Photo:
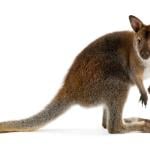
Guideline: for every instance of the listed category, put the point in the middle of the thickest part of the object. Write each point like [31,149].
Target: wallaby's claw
[149,89]
[144,99]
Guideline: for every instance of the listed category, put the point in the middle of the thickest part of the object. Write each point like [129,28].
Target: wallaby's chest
[146,74]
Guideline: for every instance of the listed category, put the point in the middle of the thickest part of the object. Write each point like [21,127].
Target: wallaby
[102,74]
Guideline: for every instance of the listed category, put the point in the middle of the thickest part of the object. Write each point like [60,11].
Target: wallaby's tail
[50,112]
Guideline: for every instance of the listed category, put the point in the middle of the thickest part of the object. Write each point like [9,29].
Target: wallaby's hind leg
[104,121]
[126,120]
[115,104]
[116,125]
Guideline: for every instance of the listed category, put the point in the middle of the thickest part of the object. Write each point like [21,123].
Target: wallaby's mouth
[145,54]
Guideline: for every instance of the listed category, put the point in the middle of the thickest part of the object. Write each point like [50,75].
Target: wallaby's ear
[135,23]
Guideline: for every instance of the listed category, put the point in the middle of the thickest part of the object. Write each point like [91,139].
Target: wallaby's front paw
[144,99]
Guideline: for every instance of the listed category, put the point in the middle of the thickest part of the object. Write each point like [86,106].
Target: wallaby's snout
[145,54]
[142,37]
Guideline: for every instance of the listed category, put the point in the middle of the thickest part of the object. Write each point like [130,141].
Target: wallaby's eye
[139,40]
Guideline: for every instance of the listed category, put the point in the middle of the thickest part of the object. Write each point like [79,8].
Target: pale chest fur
[146,74]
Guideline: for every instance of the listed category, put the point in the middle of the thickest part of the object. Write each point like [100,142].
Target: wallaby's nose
[145,54]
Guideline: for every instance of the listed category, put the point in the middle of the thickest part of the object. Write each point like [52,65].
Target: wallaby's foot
[139,124]
[144,99]
[142,125]
[133,120]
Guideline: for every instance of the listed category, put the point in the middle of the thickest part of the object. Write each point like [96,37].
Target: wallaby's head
[142,37]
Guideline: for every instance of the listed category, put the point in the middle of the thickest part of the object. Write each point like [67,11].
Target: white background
[39,40]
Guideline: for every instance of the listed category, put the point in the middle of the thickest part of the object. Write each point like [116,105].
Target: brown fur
[101,74]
